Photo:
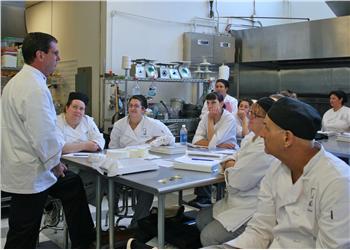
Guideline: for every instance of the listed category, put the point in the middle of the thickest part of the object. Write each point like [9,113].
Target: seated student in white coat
[231,103]
[217,127]
[242,118]
[80,133]
[243,171]
[337,119]
[137,129]
[304,199]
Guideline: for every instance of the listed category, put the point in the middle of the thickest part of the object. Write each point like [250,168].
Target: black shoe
[200,202]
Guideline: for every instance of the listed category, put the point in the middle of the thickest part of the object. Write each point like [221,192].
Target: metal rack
[110,100]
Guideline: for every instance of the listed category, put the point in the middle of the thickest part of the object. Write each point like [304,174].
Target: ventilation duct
[339,8]
[13,22]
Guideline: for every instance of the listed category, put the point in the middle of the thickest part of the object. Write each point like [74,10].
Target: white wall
[133,31]
[76,25]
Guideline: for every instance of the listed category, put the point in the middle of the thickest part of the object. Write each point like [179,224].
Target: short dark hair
[340,94]
[225,82]
[33,42]
[214,96]
[141,98]
[245,100]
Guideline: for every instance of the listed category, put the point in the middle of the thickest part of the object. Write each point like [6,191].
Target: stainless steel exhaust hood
[322,40]
[13,21]
[339,8]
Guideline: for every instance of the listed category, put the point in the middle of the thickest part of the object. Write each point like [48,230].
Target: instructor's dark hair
[33,42]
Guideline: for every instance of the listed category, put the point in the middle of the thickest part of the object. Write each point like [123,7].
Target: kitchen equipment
[138,69]
[190,111]
[163,71]
[224,72]
[174,73]
[183,69]
[176,105]
[150,69]
[166,115]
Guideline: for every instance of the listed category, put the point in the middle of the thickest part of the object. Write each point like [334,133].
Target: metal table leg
[180,201]
[98,211]
[161,228]
[111,212]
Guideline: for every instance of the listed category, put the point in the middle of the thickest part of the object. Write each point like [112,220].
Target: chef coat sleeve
[201,131]
[225,133]
[40,125]
[249,169]
[115,136]
[334,219]
[94,133]
[258,233]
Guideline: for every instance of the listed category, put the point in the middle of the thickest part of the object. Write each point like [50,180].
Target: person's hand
[214,112]
[91,146]
[241,114]
[226,145]
[59,170]
[228,164]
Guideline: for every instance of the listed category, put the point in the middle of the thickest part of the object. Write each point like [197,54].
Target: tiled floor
[53,239]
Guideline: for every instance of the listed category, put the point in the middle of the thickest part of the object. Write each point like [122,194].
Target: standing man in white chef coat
[31,148]
[304,200]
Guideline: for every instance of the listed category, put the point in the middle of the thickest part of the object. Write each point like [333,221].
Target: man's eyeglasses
[134,106]
[255,115]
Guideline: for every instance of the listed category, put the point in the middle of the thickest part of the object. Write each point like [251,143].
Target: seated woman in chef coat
[221,87]
[243,171]
[242,117]
[217,127]
[80,133]
[137,129]
[337,119]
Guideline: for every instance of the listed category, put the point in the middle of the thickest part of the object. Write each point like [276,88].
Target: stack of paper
[197,163]
[126,166]
[170,150]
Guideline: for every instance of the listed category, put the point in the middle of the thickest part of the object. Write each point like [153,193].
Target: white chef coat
[239,128]
[31,144]
[123,135]
[224,130]
[311,213]
[336,121]
[85,131]
[242,183]
[228,99]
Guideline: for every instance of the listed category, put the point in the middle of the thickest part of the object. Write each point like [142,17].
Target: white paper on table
[163,163]
[151,157]
[195,146]
[225,151]
[78,155]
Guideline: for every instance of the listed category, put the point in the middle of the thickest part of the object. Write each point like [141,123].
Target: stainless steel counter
[338,148]
[160,182]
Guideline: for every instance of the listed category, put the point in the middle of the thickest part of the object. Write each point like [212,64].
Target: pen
[201,159]
[80,154]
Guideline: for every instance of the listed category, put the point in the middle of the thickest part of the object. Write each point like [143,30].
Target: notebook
[177,148]
[197,163]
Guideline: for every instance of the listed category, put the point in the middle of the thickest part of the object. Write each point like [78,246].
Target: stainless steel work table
[338,148]
[160,182]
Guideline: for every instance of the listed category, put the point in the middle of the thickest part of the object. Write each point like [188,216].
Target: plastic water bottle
[183,135]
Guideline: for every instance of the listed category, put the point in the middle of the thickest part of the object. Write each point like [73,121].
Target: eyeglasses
[255,115]
[136,106]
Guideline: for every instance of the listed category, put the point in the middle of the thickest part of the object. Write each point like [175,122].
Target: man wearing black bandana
[304,200]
